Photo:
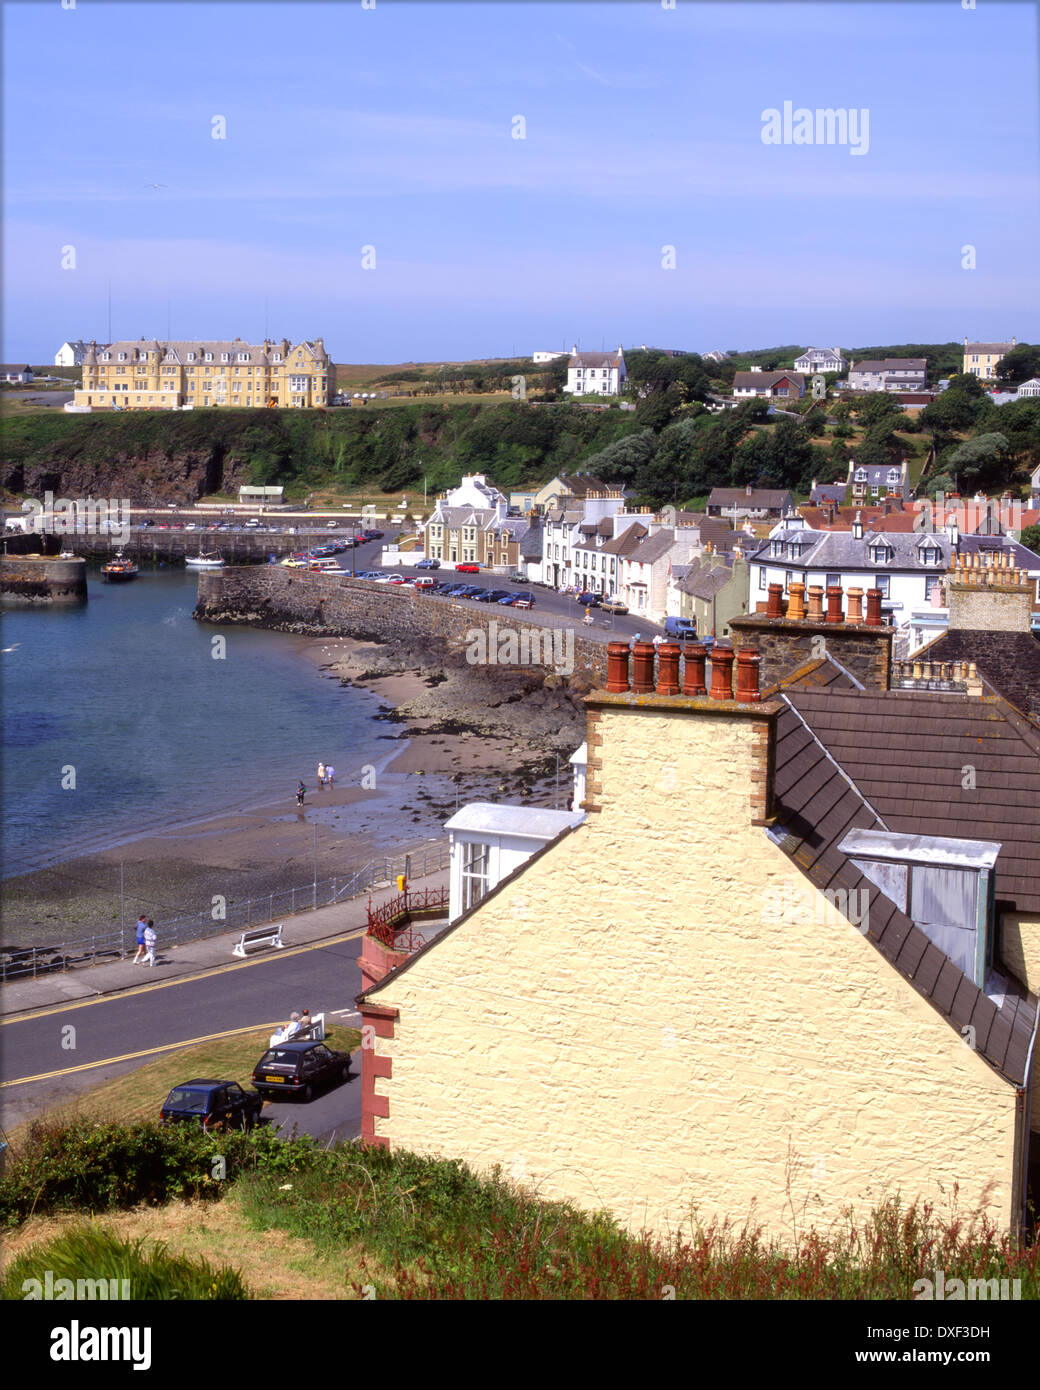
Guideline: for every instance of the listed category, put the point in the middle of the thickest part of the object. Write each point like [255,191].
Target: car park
[299,1069]
[494,595]
[427,563]
[212,1104]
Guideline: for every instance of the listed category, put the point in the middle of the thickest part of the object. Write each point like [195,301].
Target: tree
[967,383]
[977,461]
[1020,364]
[878,408]
[1030,538]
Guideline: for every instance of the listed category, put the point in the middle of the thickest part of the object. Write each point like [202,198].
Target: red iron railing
[391,923]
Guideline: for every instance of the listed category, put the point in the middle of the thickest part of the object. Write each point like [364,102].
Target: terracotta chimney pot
[774,608]
[694,656]
[874,618]
[642,668]
[617,668]
[834,594]
[796,603]
[748,662]
[722,673]
[668,669]
[855,615]
[815,614]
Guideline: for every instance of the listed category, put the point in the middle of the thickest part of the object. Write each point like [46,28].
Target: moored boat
[204,562]
[119,569]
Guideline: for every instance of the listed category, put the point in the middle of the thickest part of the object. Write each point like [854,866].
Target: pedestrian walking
[330,774]
[301,791]
[142,923]
[149,943]
[321,775]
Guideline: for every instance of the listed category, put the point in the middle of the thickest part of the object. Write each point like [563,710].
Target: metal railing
[33,961]
[391,923]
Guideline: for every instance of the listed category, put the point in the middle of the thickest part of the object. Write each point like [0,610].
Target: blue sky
[392,128]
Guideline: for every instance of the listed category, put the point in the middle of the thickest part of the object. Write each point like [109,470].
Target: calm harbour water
[125,691]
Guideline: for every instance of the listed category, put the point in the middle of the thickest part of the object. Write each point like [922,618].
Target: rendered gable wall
[619,1026]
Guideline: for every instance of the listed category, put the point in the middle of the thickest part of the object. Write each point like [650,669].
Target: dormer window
[105,356]
[930,554]
[225,357]
[209,357]
[243,356]
[122,357]
[893,476]
[860,475]
[191,357]
[881,554]
[944,885]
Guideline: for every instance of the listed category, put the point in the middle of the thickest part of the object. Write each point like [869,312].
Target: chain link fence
[32,961]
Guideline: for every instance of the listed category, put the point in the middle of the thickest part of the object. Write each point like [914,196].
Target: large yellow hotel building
[148,375]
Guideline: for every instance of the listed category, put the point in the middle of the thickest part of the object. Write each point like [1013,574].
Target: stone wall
[785,644]
[39,579]
[297,600]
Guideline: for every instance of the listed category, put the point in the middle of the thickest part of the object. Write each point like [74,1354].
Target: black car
[298,1069]
[590,600]
[212,1104]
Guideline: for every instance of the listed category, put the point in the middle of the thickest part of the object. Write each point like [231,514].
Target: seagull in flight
[11,649]
[156,185]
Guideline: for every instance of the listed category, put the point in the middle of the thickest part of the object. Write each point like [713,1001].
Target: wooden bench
[259,936]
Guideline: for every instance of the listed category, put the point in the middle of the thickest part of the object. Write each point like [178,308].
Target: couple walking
[326,774]
[145,941]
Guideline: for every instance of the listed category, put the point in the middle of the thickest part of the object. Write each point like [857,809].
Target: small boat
[119,569]
[204,562]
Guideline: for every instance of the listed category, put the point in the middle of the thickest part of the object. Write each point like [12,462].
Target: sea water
[122,717]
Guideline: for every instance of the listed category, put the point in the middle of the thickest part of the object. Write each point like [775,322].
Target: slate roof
[830,779]
[761,497]
[581,484]
[766,379]
[705,581]
[595,359]
[828,492]
[892,364]
[840,550]
[1009,661]
[716,531]
[531,542]
[1021,557]
[626,542]
[988,347]
[653,548]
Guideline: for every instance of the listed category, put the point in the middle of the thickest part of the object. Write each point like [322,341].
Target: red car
[467,569]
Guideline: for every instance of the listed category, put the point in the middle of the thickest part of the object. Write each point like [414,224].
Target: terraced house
[149,375]
[791,962]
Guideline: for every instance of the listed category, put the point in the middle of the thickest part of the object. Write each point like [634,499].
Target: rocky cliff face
[148,479]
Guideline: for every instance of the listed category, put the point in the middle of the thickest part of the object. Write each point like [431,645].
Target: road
[123,1031]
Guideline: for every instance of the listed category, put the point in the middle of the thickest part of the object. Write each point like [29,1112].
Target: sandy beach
[464,734]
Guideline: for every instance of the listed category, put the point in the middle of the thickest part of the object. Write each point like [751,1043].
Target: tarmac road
[44,1064]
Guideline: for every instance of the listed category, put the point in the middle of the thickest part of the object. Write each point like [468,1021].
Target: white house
[71,354]
[820,360]
[906,566]
[889,374]
[776,385]
[488,841]
[598,373]
[537,357]
[16,374]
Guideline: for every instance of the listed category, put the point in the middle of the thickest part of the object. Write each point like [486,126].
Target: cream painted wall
[622,1028]
[1020,947]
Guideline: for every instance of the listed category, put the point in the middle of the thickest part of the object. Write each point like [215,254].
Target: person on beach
[321,775]
[330,775]
[149,943]
[301,791]
[142,923]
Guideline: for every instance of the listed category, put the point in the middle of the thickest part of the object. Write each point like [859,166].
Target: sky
[420,181]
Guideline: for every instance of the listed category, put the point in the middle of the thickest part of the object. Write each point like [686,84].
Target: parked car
[589,599]
[680,627]
[613,606]
[424,584]
[457,590]
[212,1104]
[426,563]
[332,525]
[524,600]
[147,522]
[467,569]
[298,1069]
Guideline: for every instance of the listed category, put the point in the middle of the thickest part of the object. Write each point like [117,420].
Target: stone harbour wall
[322,605]
[40,579]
